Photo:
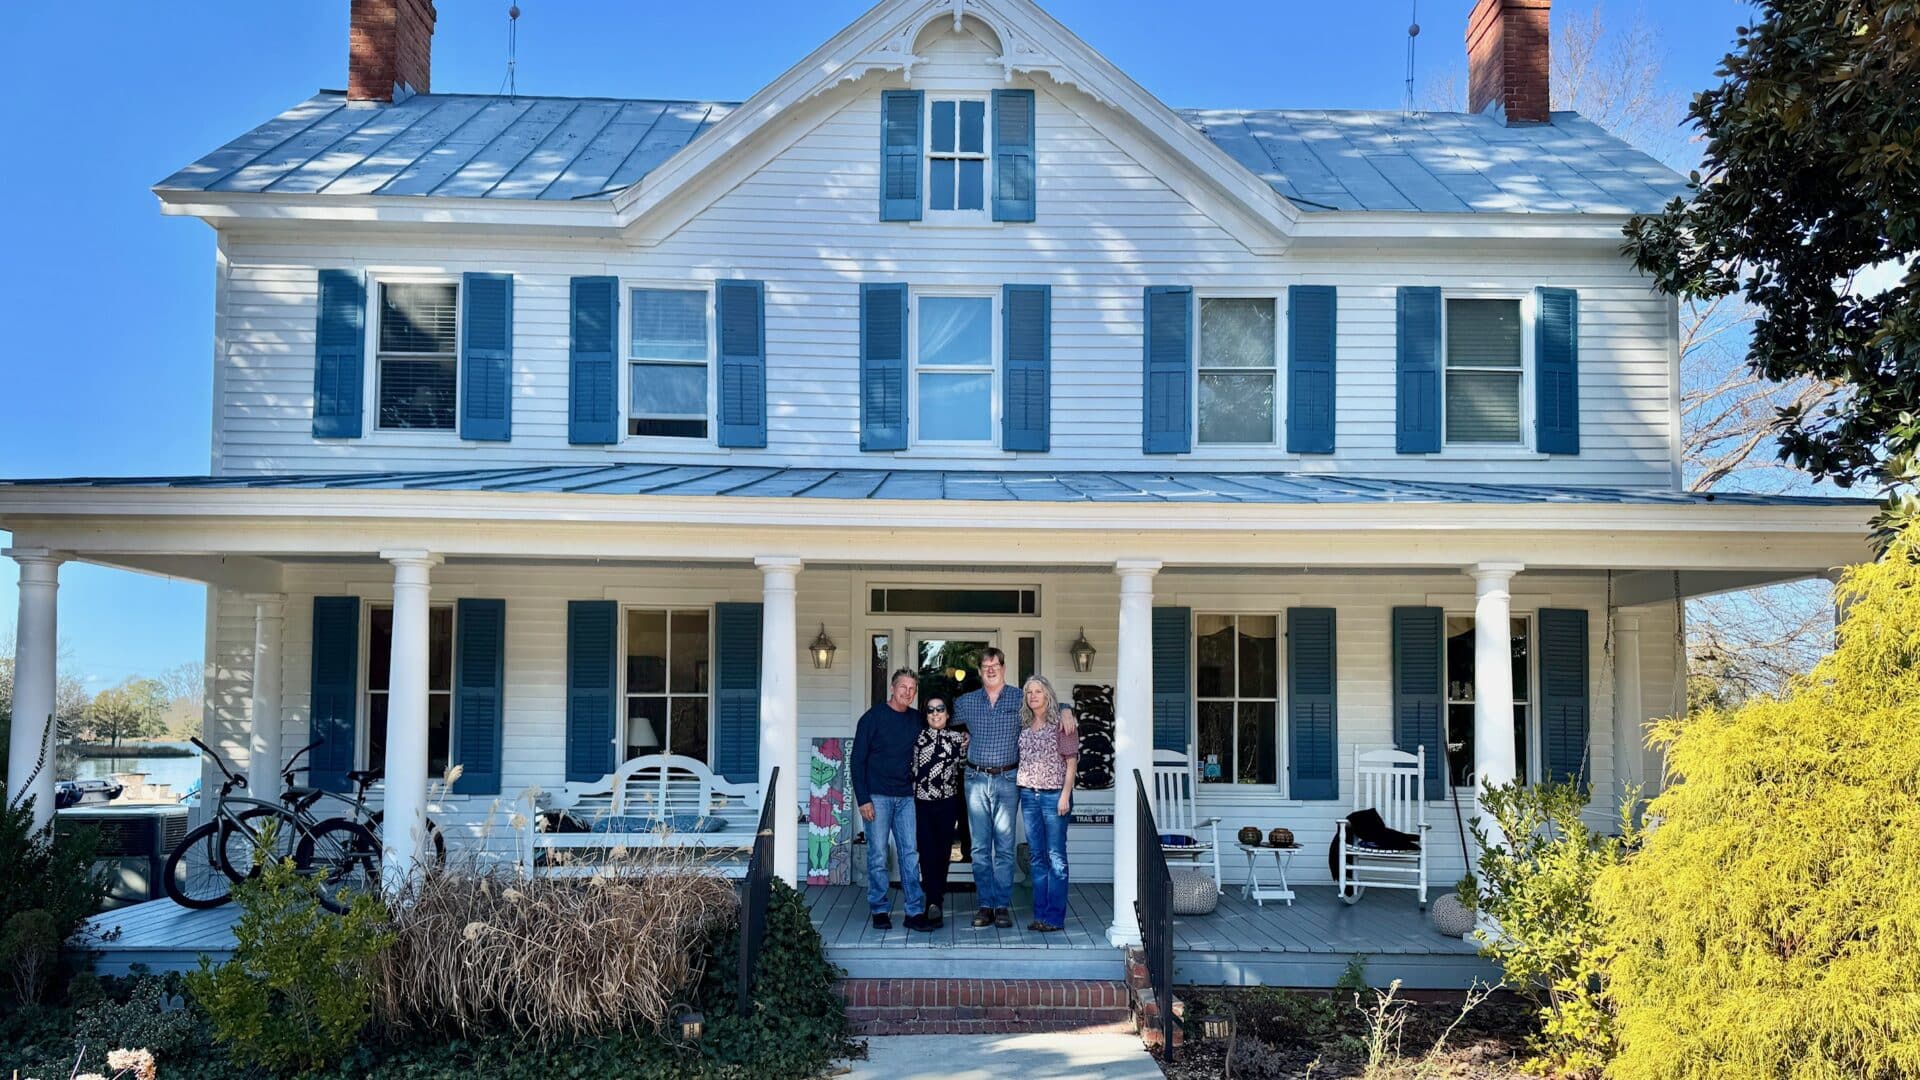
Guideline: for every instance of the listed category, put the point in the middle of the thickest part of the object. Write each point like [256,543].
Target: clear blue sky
[106,98]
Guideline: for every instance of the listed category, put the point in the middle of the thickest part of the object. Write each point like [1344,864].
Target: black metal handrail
[1153,908]
[759,892]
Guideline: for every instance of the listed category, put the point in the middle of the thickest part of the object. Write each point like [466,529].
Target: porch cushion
[682,823]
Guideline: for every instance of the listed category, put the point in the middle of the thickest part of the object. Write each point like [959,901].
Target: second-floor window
[1237,372]
[418,355]
[667,366]
[1484,373]
[953,369]
[379,668]
[956,157]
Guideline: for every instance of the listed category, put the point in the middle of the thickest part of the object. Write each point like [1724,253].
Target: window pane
[376,730]
[1259,656]
[440,648]
[1257,760]
[954,601]
[1215,738]
[1459,658]
[670,389]
[1483,333]
[1236,408]
[1520,741]
[379,648]
[956,331]
[973,124]
[1213,655]
[669,324]
[675,429]
[940,184]
[689,655]
[646,726]
[418,318]
[1483,407]
[646,652]
[417,394]
[689,735]
[1459,744]
[1236,333]
[942,140]
[1521,667]
[1025,664]
[879,656]
[973,184]
[956,408]
[439,707]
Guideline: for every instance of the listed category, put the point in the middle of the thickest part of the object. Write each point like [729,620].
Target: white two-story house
[552,432]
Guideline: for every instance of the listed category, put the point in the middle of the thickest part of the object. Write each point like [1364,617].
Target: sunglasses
[937,708]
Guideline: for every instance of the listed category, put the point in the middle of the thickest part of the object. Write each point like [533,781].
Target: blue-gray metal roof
[987,485]
[1440,162]
[481,146]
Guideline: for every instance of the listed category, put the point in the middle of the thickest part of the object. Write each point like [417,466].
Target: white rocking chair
[1175,785]
[1394,783]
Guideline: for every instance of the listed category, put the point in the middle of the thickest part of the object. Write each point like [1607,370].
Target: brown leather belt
[992,770]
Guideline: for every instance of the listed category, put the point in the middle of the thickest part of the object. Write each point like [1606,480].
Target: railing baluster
[1154,911]
[758,893]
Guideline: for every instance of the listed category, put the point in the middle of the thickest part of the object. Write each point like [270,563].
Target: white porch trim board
[35,681]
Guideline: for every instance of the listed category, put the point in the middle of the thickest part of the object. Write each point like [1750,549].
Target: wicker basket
[1193,891]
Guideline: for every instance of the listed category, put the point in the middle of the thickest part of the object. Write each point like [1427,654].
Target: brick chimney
[1507,59]
[390,49]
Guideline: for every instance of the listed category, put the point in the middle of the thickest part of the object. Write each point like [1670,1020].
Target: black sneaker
[882,921]
[935,915]
[920,923]
[1003,918]
[983,918]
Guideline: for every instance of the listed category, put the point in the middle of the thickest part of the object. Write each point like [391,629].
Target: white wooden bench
[662,788]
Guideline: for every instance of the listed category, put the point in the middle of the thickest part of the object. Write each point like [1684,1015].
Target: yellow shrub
[1770,926]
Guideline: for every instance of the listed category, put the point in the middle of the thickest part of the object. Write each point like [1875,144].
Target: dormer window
[954,158]
[957,160]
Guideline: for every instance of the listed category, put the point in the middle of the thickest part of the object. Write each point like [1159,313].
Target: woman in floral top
[938,755]
[1049,760]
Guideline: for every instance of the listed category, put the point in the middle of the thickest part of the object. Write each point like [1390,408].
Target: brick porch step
[985,1006]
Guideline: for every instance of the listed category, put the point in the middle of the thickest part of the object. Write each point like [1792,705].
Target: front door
[948,663]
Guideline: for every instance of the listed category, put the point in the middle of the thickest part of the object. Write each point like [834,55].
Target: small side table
[1259,891]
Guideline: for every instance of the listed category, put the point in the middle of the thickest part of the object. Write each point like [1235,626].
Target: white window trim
[713,672]
[984,215]
[1280,316]
[1530,767]
[995,335]
[363,724]
[1524,448]
[371,429]
[625,379]
[1281,734]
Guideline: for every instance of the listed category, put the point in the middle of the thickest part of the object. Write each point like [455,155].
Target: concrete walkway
[998,1057]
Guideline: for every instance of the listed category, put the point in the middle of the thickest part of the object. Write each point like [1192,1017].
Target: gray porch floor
[1307,944]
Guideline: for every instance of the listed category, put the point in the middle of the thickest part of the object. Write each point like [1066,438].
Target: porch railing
[1154,911]
[758,892]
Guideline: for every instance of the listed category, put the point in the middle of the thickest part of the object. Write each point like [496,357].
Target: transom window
[957,154]
[1460,662]
[418,355]
[379,668]
[1237,693]
[1484,366]
[669,682]
[1237,370]
[667,363]
[954,364]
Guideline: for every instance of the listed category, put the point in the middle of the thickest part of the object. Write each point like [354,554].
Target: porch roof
[953,485]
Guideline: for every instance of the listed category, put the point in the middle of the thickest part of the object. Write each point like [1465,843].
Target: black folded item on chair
[1366,829]
[559,821]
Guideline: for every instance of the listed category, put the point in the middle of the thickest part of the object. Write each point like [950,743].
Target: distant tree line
[139,707]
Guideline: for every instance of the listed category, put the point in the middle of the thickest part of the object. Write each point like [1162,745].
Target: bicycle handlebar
[233,778]
[289,769]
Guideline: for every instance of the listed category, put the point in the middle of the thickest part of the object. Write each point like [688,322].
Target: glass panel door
[949,665]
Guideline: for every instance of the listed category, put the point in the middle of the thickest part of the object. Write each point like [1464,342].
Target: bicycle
[304,797]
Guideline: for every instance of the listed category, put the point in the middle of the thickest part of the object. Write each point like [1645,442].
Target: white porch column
[403,830]
[1132,737]
[780,707]
[1494,758]
[35,676]
[1633,763]
[263,715]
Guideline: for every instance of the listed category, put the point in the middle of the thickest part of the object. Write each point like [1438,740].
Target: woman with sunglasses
[938,755]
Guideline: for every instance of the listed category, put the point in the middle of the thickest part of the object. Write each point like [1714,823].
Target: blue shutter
[1013,143]
[593,635]
[740,312]
[1312,325]
[883,367]
[333,715]
[1564,712]
[1166,420]
[1419,689]
[1556,371]
[339,355]
[1172,640]
[1313,759]
[1417,371]
[736,692]
[1026,384]
[900,148]
[593,414]
[486,357]
[479,694]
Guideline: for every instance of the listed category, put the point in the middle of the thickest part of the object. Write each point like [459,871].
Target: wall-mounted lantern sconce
[822,649]
[1083,651]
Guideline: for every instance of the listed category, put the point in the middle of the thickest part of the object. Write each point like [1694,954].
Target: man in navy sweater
[882,769]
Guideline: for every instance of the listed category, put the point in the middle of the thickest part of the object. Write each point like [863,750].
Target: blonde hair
[1027,718]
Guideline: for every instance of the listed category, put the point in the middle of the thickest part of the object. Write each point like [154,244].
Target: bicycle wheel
[193,875]
[239,854]
[439,838]
[344,858]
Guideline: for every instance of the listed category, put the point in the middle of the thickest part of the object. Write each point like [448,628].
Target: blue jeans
[893,816]
[1047,853]
[991,801]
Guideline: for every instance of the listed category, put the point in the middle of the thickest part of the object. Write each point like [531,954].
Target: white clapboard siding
[807,224]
